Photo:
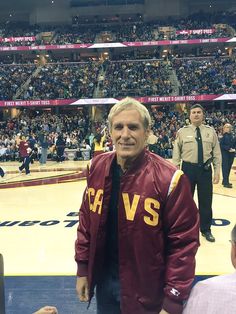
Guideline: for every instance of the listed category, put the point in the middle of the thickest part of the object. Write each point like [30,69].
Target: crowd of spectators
[206,76]
[72,127]
[12,77]
[132,32]
[142,78]
[18,29]
[16,59]
[203,20]
[67,80]
[147,77]
[132,54]
[78,131]
[75,35]
[14,34]
[136,32]
[123,32]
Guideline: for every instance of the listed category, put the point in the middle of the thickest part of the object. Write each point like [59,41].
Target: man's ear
[147,133]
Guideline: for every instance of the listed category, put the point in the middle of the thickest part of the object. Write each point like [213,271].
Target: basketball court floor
[38,221]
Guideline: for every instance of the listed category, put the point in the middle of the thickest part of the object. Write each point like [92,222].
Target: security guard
[197,146]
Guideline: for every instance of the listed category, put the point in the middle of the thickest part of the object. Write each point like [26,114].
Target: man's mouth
[126,145]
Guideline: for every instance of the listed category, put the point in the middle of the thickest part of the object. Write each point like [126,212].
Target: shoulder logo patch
[175,292]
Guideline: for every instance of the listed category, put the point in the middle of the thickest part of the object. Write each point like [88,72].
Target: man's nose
[125,132]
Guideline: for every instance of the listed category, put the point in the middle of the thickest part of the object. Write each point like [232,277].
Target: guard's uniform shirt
[186,147]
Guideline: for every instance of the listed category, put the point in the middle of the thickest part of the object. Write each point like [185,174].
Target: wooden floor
[39,217]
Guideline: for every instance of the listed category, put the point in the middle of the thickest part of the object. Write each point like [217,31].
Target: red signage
[15,39]
[208,31]
[124,44]
[103,101]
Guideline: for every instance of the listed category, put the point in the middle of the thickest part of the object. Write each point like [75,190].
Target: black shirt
[112,250]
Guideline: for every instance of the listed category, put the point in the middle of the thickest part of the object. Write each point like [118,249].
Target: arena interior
[63,64]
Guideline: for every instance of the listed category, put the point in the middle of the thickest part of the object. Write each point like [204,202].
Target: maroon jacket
[23,149]
[158,233]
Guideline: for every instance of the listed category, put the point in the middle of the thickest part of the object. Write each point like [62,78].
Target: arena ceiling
[26,4]
[30,4]
[8,7]
[25,7]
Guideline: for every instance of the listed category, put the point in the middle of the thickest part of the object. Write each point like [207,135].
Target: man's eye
[133,127]
[118,127]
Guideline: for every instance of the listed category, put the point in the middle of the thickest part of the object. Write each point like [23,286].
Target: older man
[216,295]
[138,231]
[197,146]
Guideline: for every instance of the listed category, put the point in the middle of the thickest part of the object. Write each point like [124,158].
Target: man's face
[128,134]
[196,116]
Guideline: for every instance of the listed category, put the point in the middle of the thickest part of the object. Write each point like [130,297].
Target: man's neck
[125,164]
[197,124]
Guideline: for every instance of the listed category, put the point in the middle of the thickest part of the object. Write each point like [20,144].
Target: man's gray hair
[197,106]
[233,234]
[129,103]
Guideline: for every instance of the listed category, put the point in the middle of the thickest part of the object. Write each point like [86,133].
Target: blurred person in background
[44,144]
[60,148]
[85,150]
[216,295]
[228,146]
[24,153]
[98,142]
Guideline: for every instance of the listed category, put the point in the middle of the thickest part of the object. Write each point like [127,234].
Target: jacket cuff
[82,269]
[172,307]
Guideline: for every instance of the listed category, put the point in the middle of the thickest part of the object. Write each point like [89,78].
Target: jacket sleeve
[83,237]
[181,227]
[224,144]
[216,154]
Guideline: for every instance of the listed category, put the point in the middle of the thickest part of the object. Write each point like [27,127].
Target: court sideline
[39,216]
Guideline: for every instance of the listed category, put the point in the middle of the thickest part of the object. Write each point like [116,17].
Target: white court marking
[49,250]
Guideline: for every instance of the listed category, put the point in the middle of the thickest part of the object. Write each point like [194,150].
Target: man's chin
[126,155]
